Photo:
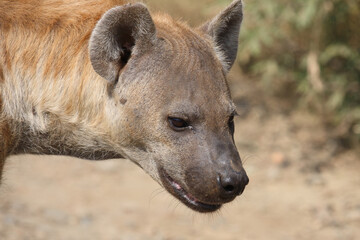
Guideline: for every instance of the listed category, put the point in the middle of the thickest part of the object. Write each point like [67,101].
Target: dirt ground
[301,187]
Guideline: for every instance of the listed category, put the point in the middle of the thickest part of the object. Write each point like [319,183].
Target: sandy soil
[301,187]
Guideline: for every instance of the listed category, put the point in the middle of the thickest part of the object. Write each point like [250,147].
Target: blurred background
[296,84]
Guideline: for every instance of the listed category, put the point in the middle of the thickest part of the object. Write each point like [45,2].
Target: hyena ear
[121,32]
[224,29]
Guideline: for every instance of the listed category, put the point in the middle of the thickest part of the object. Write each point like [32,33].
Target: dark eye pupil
[178,122]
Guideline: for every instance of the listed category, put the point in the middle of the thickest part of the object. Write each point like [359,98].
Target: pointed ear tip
[238,3]
[236,7]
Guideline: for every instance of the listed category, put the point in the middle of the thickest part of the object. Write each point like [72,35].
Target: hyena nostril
[229,188]
[228,184]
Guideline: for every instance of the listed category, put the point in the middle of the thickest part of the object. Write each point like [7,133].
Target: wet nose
[232,183]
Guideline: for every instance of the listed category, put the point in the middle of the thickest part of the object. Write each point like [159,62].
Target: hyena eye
[231,125]
[178,124]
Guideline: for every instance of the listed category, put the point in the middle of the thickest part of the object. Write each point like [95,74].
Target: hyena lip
[177,191]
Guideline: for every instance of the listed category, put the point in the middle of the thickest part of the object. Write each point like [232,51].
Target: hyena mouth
[177,191]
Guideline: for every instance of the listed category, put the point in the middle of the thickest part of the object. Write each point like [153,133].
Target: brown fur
[54,98]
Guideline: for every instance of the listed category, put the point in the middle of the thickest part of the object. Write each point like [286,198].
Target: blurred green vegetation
[307,51]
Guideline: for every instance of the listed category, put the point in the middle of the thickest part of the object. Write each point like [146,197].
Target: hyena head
[171,110]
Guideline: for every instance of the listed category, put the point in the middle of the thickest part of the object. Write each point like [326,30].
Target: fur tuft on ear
[118,34]
[224,29]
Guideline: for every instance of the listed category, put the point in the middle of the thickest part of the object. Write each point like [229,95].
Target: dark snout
[231,176]
[216,183]
[221,179]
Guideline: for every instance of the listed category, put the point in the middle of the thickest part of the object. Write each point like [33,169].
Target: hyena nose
[232,183]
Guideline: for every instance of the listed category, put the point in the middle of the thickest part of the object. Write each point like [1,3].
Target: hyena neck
[61,142]
[58,137]
[74,122]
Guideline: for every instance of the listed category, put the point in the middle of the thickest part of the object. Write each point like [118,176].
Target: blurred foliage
[309,49]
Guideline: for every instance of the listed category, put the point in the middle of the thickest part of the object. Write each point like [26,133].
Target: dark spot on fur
[110,89]
[46,114]
[140,145]
[123,101]
[34,111]
[2,78]
[57,24]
